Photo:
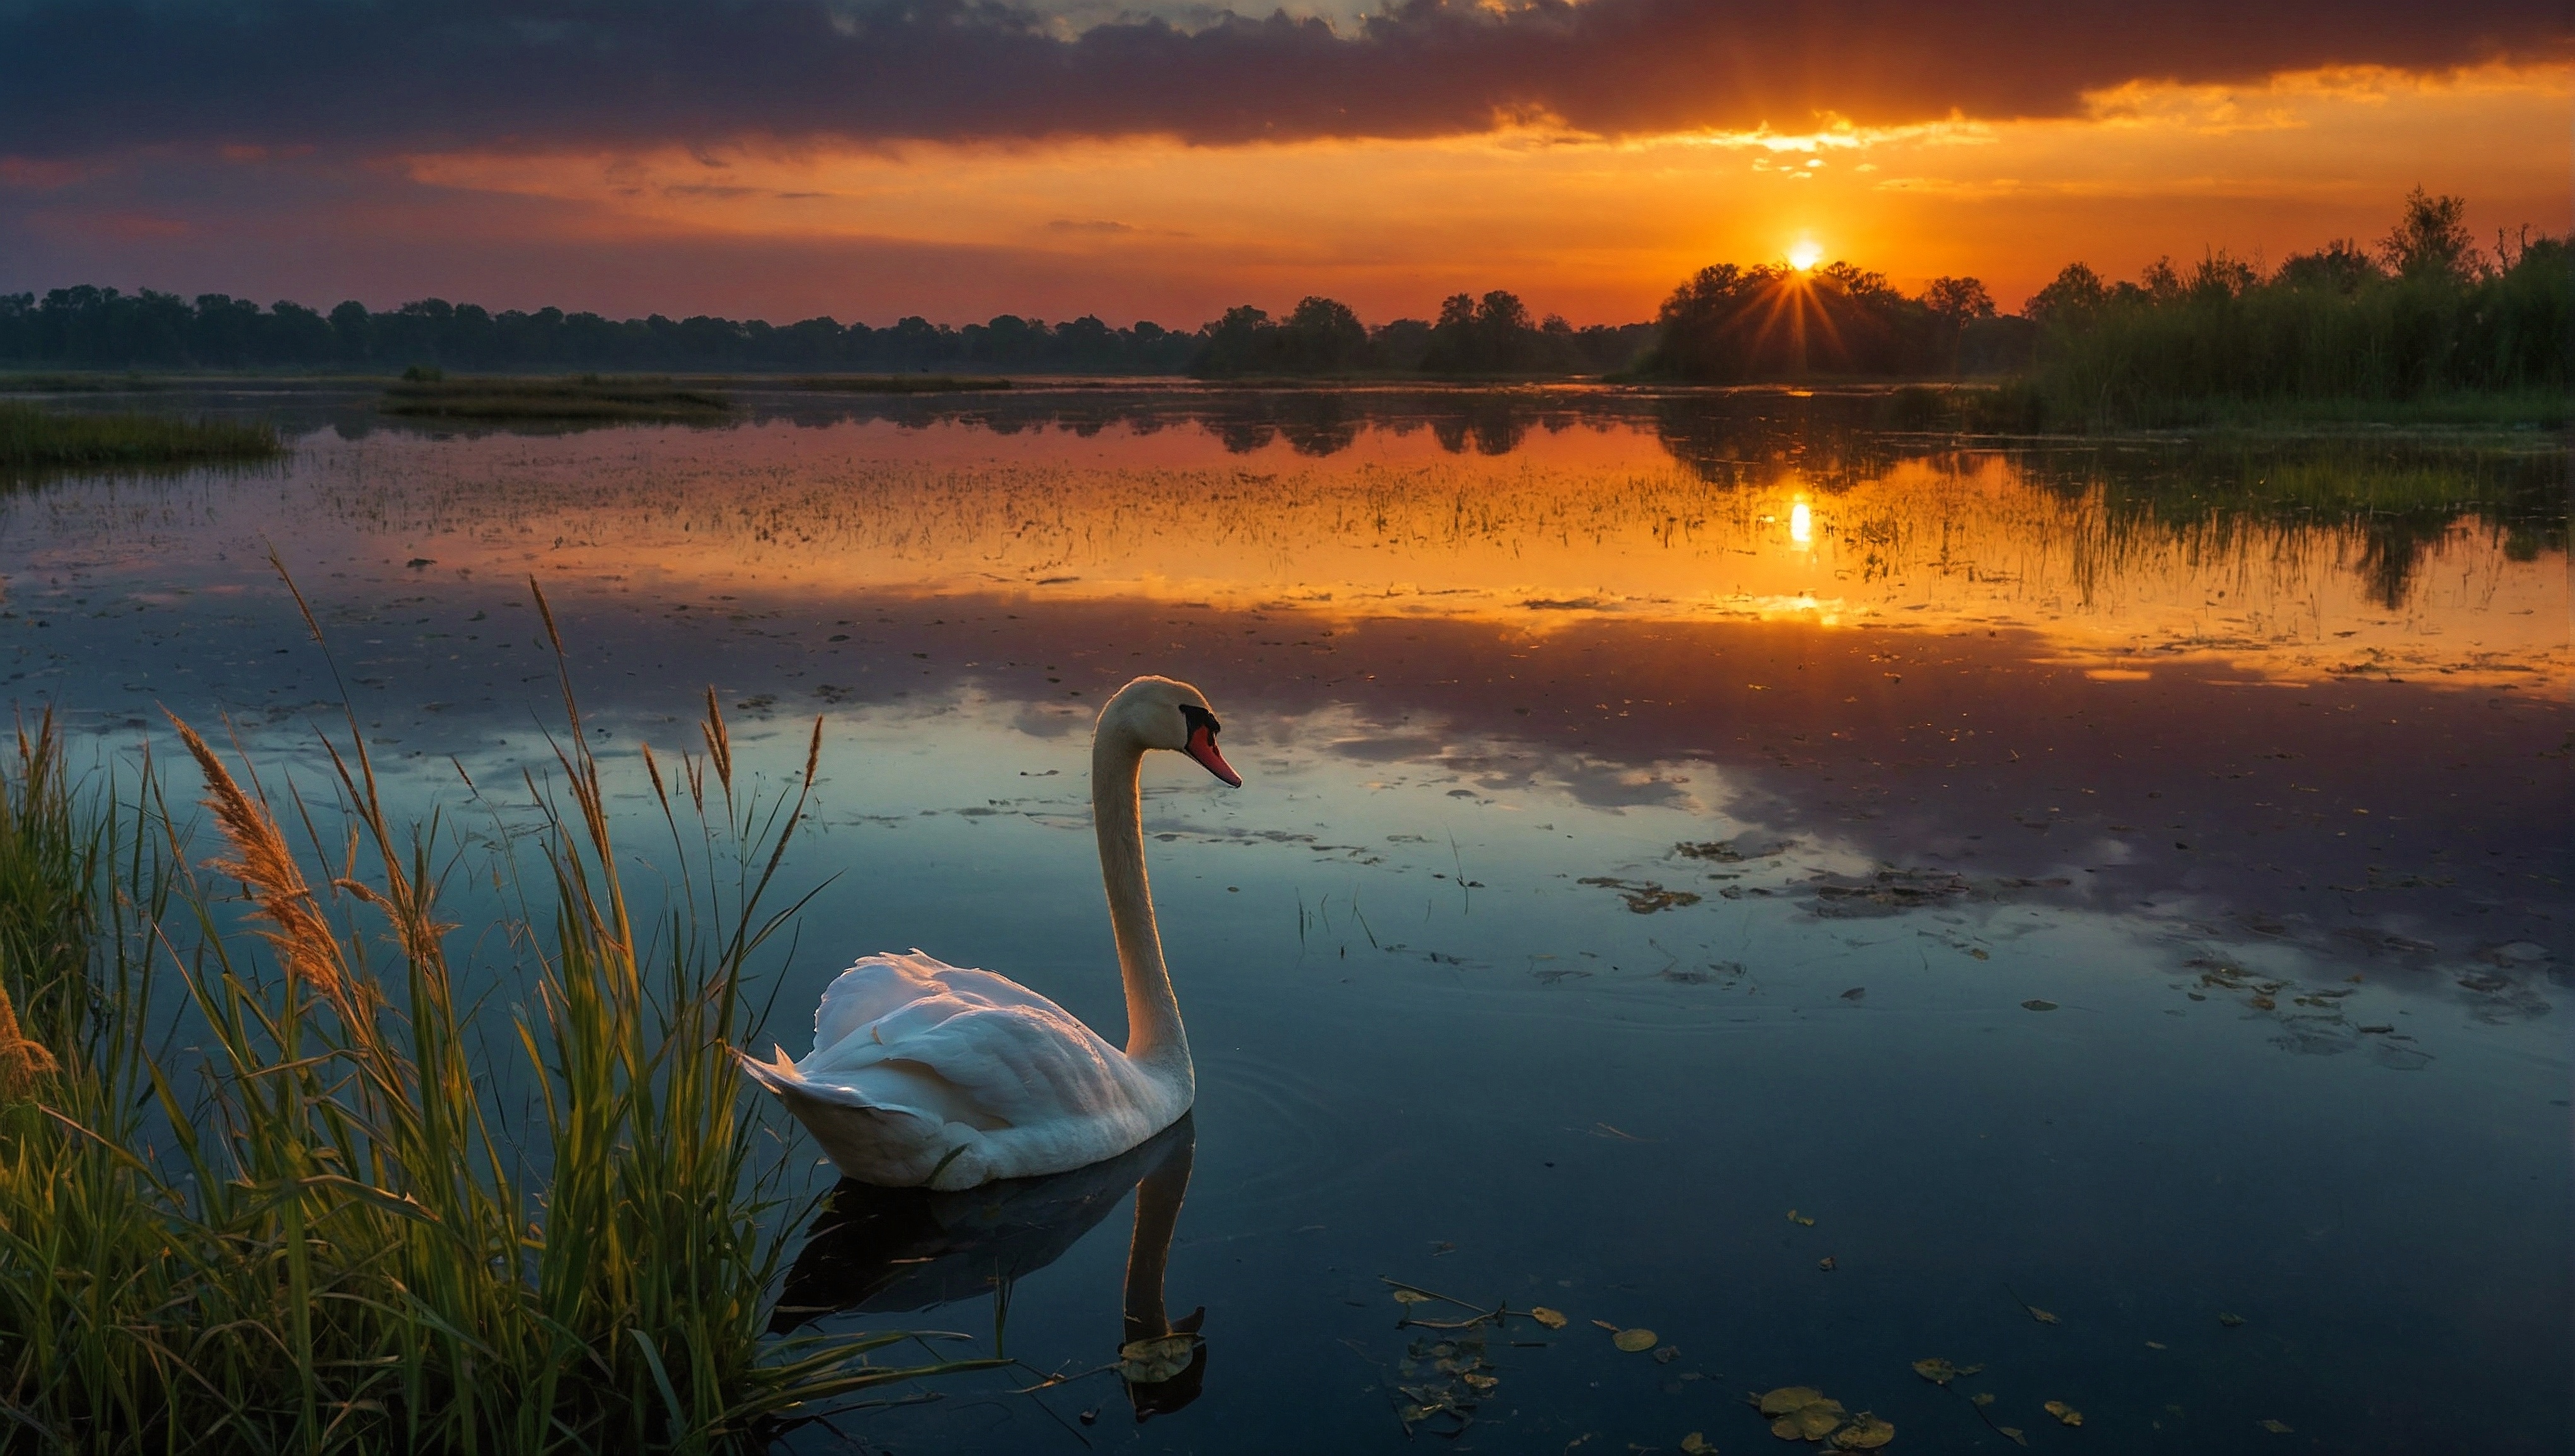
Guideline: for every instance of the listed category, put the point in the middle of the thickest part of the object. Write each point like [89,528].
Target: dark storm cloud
[89,75]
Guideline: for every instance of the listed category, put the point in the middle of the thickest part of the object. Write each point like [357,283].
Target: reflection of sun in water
[1806,254]
[1801,525]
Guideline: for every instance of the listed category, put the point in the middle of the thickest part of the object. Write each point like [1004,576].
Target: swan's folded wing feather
[984,1065]
[878,986]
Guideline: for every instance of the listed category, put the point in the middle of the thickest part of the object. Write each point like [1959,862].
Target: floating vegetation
[1730,851]
[1644,896]
[38,439]
[427,393]
[1803,1413]
[1157,1359]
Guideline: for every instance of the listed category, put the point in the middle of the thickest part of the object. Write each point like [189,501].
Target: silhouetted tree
[1490,335]
[2431,238]
[2341,266]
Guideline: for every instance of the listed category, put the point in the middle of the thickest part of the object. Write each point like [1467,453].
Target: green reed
[2430,347]
[38,439]
[256,1194]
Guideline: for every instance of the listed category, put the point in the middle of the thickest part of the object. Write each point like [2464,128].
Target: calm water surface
[1823,895]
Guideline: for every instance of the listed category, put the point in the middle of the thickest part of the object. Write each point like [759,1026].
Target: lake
[2091,910]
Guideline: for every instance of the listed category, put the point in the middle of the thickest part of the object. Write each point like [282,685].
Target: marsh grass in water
[424,392]
[893,384]
[82,383]
[256,1194]
[38,439]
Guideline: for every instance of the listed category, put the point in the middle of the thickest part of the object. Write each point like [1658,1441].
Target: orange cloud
[1601,229]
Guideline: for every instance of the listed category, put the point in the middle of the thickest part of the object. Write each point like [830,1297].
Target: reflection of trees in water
[1313,423]
[2105,510]
[1755,436]
[2396,503]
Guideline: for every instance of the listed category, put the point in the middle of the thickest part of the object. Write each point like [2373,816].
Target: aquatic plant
[257,1192]
[423,391]
[36,439]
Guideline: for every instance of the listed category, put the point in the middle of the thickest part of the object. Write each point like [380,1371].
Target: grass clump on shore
[40,439]
[256,1194]
[428,393]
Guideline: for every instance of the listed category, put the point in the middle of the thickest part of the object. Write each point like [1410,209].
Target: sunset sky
[868,159]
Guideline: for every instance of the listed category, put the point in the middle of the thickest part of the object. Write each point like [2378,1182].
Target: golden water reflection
[2288,561]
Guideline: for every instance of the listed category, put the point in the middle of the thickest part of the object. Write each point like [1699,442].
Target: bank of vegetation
[429,394]
[256,1191]
[2425,326]
[36,439]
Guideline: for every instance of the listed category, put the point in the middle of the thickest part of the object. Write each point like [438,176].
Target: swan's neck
[1154,1033]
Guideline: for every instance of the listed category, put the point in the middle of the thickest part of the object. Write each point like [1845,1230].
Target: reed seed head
[22,1059]
[267,868]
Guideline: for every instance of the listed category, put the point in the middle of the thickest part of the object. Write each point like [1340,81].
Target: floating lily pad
[1864,1433]
[1936,1370]
[1635,1340]
[1790,1398]
[1151,1362]
[1551,1318]
[2277,1428]
[1411,1296]
[2066,1414]
[1788,1429]
[1696,1444]
[1817,1421]
[2014,1432]
[2042,1317]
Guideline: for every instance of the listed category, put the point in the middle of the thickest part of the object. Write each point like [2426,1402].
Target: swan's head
[1156,712]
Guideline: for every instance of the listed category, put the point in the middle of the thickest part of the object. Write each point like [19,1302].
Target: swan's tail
[891,1147]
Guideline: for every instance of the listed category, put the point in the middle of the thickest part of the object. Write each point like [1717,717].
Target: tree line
[1491,335]
[2423,312]
[100,327]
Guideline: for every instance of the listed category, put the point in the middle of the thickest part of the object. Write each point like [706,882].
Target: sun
[1806,254]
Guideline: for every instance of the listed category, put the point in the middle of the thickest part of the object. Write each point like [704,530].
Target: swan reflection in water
[878,1250]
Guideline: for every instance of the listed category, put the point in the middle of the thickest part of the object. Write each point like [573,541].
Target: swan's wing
[880,985]
[962,1045]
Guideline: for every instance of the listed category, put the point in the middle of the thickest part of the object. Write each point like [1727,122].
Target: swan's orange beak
[1202,748]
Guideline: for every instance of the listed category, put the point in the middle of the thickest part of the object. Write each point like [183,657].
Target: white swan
[925,1073]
